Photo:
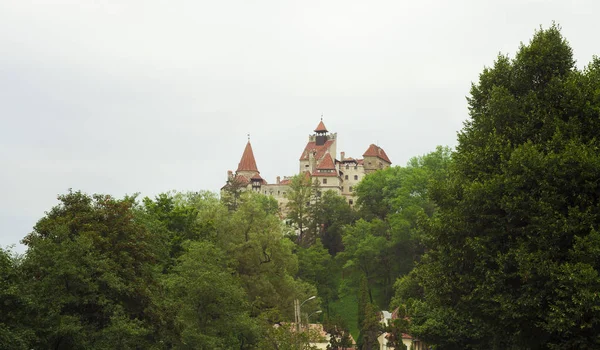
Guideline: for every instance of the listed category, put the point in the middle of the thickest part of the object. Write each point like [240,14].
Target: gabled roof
[320,150]
[321,127]
[248,163]
[326,163]
[241,179]
[376,151]
[257,177]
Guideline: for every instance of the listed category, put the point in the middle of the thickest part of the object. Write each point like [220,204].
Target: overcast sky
[120,97]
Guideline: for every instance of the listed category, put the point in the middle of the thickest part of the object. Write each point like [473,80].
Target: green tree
[314,266]
[512,255]
[394,200]
[253,237]
[339,334]
[16,332]
[299,196]
[208,303]
[364,299]
[89,272]
[330,215]
[370,329]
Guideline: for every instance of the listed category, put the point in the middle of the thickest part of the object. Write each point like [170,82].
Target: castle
[318,160]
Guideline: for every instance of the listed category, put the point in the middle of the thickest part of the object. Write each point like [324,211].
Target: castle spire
[248,163]
[321,127]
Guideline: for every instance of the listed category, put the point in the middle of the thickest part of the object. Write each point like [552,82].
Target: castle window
[324,181]
[347,166]
[346,177]
[350,202]
[355,167]
[278,193]
[355,177]
[350,188]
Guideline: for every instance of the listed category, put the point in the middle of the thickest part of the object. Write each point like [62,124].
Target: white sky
[121,97]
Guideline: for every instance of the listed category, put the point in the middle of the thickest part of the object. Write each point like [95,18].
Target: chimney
[278,179]
[342,156]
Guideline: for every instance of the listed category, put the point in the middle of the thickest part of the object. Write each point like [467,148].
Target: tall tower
[320,134]
[320,143]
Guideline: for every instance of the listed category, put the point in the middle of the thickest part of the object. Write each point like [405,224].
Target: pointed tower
[319,143]
[320,134]
[247,163]
[247,169]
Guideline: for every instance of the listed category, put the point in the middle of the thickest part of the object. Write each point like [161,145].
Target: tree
[16,332]
[264,261]
[394,199]
[339,334]
[512,255]
[370,329]
[330,215]
[210,307]
[314,266]
[89,273]
[299,196]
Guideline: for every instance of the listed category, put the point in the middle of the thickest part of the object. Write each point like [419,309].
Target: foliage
[315,265]
[512,254]
[330,215]
[300,195]
[339,333]
[370,329]
[209,305]
[386,242]
[89,271]
[15,330]
[285,337]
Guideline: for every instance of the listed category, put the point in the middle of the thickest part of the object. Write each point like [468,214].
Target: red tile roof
[248,163]
[321,127]
[376,151]
[259,178]
[320,150]
[326,163]
[242,179]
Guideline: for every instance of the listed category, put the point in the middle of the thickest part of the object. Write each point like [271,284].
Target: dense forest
[493,245]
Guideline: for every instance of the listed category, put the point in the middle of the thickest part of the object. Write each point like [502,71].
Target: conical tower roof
[248,163]
[321,127]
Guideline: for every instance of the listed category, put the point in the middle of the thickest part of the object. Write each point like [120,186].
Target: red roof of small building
[326,163]
[241,179]
[321,127]
[257,177]
[312,146]
[376,151]
[248,163]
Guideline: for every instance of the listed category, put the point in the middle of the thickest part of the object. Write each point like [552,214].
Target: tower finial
[248,137]
[321,116]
